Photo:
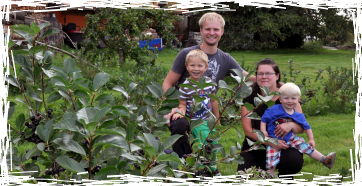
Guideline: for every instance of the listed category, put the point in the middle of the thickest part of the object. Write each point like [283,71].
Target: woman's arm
[283,129]
[182,108]
[246,123]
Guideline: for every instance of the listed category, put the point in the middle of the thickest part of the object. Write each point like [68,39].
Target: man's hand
[311,143]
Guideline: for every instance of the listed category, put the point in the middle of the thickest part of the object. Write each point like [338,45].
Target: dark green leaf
[25,35]
[70,124]
[239,73]
[41,146]
[122,90]
[11,43]
[249,106]
[11,79]
[164,110]
[81,93]
[104,97]
[214,97]
[91,127]
[254,115]
[44,131]
[131,86]
[43,25]
[31,153]
[49,73]
[35,96]
[203,85]
[35,28]
[69,164]
[197,123]
[174,95]
[190,161]
[270,103]
[161,122]
[169,157]
[24,28]
[104,172]
[152,141]
[169,141]
[239,159]
[211,122]
[243,92]
[121,110]
[71,146]
[48,56]
[49,32]
[198,99]
[150,150]
[66,137]
[104,131]
[58,81]
[188,86]
[36,49]
[156,169]
[100,114]
[232,150]
[158,86]
[55,96]
[100,79]
[87,114]
[223,84]
[260,135]
[31,167]
[22,61]
[10,110]
[130,132]
[173,103]
[112,140]
[150,100]
[155,91]
[169,91]
[68,65]
[20,121]
[273,140]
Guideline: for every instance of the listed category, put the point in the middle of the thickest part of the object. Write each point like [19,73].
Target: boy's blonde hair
[197,53]
[290,88]
[212,17]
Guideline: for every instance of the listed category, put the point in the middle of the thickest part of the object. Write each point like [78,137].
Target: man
[220,65]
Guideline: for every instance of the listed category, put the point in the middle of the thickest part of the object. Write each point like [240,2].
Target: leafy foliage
[118,28]
[78,128]
[266,28]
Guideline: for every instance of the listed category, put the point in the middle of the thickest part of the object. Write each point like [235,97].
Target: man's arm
[171,79]
[251,78]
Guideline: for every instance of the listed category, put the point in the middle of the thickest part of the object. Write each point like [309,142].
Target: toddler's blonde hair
[197,53]
[290,88]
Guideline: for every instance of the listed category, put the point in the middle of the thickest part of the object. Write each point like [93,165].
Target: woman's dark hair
[266,61]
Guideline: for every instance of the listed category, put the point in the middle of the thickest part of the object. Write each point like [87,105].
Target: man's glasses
[262,74]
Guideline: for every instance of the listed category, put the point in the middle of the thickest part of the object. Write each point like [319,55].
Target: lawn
[332,132]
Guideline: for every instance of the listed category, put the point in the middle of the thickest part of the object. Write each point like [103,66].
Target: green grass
[332,132]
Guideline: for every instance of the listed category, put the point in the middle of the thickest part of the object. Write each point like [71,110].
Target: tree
[266,28]
[117,28]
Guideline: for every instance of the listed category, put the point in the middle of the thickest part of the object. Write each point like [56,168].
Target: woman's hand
[176,116]
[283,129]
[168,116]
[281,145]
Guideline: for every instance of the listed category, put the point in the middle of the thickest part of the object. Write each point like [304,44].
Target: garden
[68,117]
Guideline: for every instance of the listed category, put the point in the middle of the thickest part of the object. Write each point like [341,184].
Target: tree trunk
[120,57]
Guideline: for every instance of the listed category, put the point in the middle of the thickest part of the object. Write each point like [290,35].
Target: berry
[47,172]
[50,116]
[39,114]
[49,112]
[168,151]
[56,171]
[98,169]
[155,164]
[86,169]
[26,123]
[51,109]
[32,118]
[209,140]
[136,166]
[27,151]
[52,172]
[93,171]
[61,169]
[23,133]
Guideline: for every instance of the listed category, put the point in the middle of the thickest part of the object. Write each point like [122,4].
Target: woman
[291,161]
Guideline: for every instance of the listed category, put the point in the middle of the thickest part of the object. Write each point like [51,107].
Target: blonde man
[219,66]
[282,113]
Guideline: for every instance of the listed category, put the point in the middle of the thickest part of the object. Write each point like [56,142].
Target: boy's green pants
[205,132]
